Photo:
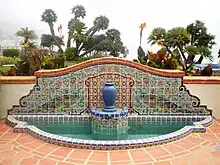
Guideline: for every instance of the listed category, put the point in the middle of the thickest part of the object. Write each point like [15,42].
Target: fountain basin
[109,125]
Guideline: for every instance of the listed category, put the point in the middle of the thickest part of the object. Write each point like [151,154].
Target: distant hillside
[8,30]
[7,34]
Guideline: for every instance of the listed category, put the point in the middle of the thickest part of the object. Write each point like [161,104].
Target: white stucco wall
[209,95]
[10,95]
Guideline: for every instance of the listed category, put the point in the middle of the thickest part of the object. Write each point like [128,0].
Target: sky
[126,16]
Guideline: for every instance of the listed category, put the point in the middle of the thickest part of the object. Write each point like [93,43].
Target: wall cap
[17,79]
[109,60]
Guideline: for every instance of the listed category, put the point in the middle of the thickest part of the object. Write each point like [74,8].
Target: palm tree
[28,35]
[79,12]
[50,17]
[100,23]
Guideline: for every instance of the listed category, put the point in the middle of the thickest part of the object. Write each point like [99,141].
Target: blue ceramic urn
[109,96]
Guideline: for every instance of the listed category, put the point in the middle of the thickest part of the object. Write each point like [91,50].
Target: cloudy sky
[124,16]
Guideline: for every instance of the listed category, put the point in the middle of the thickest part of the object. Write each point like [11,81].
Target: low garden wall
[207,89]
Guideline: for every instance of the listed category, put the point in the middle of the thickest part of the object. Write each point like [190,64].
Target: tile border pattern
[21,126]
[32,80]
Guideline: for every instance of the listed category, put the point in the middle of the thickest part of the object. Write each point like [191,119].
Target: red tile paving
[195,149]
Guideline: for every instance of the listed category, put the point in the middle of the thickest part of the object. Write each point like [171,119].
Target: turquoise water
[137,130]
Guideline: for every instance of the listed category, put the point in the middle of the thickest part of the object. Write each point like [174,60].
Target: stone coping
[109,60]
[186,80]
[201,80]
[21,126]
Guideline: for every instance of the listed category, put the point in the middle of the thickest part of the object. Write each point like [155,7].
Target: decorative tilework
[22,126]
[75,92]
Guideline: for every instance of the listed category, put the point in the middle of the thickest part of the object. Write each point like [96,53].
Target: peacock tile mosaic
[141,92]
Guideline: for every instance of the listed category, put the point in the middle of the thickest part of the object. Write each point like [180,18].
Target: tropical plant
[26,34]
[79,12]
[87,42]
[48,41]
[142,56]
[200,38]
[10,53]
[182,44]
[162,60]
[50,17]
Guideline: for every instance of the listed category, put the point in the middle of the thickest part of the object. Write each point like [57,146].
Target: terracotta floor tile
[5,147]
[195,148]
[180,161]
[24,154]
[3,129]
[209,137]
[26,139]
[64,163]
[29,161]
[55,157]
[47,148]
[181,153]
[119,155]
[8,153]
[164,158]
[99,156]
[163,163]
[185,144]
[200,161]
[205,143]
[9,136]
[173,148]
[63,151]
[215,161]
[80,154]
[96,163]
[15,160]
[215,129]
[218,135]
[157,151]
[216,154]
[47,162]
[143,161]
[21,148]
[194,140]
[34,144]
[122,163]
[38,153]
[140,154]
[75,161]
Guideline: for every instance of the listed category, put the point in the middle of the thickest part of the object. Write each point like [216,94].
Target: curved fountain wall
[142,89]
[70,93]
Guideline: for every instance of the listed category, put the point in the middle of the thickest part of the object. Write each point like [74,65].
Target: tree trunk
[68,44]
[200,60]
[54,37]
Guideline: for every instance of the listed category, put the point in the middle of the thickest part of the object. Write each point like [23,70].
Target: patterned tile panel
[76,92]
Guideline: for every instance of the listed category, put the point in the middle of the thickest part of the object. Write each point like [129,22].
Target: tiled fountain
[109,122]
[73,95]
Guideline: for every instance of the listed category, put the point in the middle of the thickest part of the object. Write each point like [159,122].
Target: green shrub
[70,54]
[10,52]
[8,60]
[48,63]
[4,70]
[59,61]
